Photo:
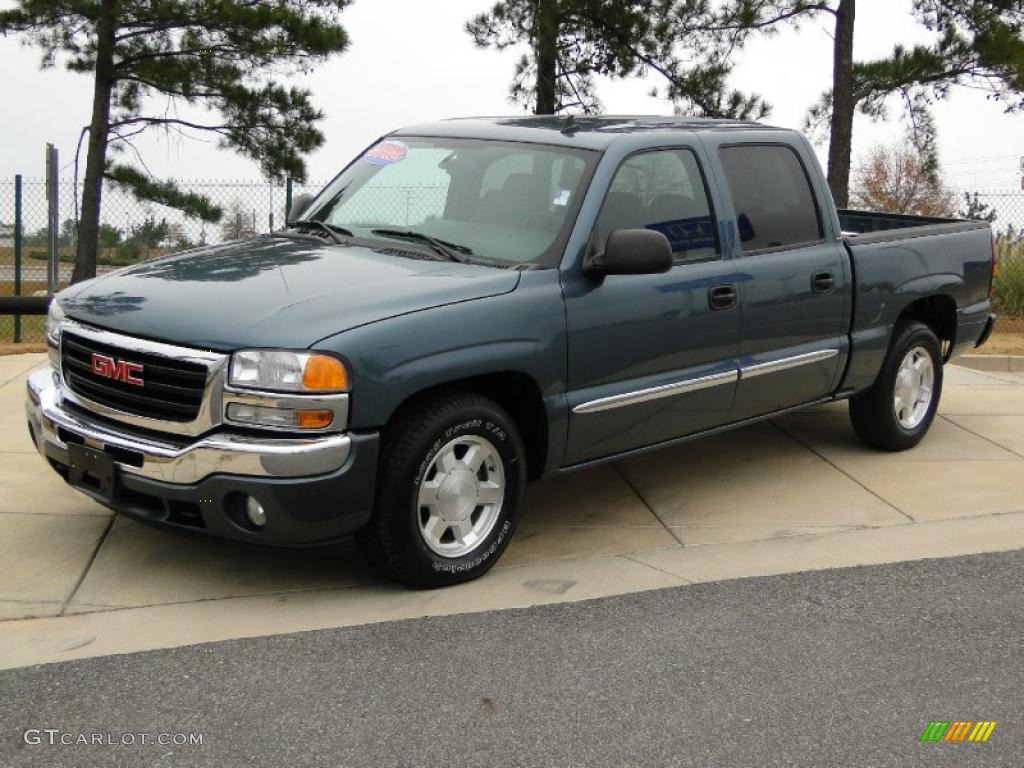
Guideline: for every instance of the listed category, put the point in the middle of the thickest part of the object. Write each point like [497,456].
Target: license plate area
[92,469]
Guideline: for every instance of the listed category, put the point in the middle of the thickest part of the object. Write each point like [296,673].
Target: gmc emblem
[119,370]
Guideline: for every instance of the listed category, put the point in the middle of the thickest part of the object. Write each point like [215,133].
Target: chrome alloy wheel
[460,496]
[915,382]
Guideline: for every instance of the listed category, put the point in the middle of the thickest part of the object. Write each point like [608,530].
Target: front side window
[661,190]
[502,201]
[772,197]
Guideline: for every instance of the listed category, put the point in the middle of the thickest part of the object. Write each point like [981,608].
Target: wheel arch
[516,392]
[938,312]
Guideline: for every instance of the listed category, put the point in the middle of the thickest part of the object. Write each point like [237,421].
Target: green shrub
[121,255]
[1008,288]
[64,254]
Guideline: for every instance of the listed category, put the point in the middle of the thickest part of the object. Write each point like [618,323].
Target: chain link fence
[1008,288]
[133,231]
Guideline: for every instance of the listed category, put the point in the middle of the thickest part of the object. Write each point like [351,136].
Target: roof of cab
[576,131]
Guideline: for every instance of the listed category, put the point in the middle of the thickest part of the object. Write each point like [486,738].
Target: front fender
[522,331]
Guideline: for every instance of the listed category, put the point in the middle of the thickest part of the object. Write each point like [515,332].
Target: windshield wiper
[330,229]
[445,248]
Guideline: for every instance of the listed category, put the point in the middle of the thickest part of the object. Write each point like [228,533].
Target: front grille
[172,390]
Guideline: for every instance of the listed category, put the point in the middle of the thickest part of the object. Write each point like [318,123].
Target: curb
[1001,363]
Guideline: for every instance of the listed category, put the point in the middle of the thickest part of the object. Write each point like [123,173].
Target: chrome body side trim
[655,393]
[211,409]
[703,382]
[774,366]
[174,463]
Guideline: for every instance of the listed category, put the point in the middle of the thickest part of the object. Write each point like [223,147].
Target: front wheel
[451,478]
[897,411]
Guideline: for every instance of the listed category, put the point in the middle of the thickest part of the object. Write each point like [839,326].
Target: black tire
[393,540]
[873,413]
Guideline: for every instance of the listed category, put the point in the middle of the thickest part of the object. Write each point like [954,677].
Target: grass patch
[21,349]
[1008,286]
[33,331]
[36,256]
[1003,344]
[28,287]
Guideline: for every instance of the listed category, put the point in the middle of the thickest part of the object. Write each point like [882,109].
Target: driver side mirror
[299,204]
[631,252]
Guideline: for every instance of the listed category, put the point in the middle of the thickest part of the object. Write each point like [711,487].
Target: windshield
[497,201]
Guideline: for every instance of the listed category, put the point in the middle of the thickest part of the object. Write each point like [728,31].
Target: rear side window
[772,196]
[661,190]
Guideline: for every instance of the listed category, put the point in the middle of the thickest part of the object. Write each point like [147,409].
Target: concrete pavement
[996,362]
[796,494]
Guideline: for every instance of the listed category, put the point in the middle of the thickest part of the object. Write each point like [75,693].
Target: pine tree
[975,43]
[974,208]
[686,42]
[221,55]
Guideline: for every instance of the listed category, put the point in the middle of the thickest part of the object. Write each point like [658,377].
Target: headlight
[53,319]
[281,370]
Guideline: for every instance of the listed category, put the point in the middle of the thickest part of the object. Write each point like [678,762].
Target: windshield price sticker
[386,153]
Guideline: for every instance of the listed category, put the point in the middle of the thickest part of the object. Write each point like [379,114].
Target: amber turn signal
[324,373]
[314,419]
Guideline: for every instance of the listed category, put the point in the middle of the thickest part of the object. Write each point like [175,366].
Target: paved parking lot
[792,495]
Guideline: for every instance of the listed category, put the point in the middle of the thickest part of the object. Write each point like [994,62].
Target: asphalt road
[832,668]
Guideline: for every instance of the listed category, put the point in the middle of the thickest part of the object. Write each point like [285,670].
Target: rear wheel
[897,411]
[451,477]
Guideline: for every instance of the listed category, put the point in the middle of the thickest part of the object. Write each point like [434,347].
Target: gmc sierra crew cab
[475,303]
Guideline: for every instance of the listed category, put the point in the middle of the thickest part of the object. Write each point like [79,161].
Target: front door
[653,357]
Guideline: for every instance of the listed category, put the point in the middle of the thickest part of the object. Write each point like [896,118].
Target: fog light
[255,512]
[261,415]
[266,416]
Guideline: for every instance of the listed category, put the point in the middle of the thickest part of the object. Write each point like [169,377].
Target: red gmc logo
[120,370]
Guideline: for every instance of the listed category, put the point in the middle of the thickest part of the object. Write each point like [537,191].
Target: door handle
[823,282]
[722,296]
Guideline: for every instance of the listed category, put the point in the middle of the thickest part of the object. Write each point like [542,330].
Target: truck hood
[273,292]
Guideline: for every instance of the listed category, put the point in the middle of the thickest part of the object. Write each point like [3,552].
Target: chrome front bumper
[52,424]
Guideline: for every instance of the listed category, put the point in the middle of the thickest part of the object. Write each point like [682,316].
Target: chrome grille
[171,390]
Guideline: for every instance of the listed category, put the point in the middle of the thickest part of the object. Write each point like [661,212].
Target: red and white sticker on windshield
[386,152]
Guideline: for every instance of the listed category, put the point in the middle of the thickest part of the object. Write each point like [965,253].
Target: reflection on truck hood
[273,292]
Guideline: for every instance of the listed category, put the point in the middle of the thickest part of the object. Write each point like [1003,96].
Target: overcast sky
[411,61]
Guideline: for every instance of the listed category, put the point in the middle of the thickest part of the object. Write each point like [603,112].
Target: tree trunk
[99,128]
[545,41]
[843,104]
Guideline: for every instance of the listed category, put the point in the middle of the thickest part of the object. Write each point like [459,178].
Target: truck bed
[898,259]
[863,227]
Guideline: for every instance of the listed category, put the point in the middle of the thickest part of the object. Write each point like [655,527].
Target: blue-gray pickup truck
[472,304]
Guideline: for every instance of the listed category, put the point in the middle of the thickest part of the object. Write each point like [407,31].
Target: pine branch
[146,188]
[171,121]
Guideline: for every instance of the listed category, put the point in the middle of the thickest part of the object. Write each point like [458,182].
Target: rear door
[652,357]
[794,285]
